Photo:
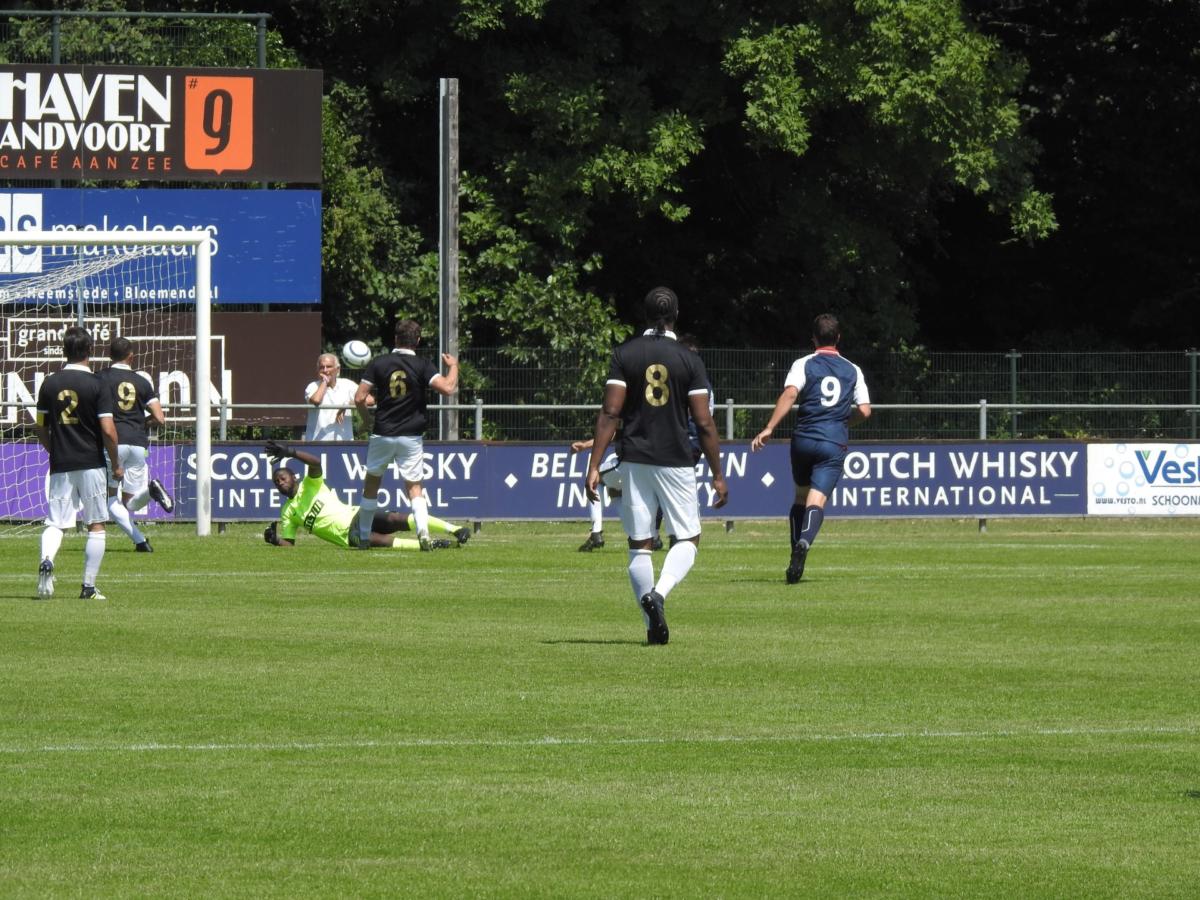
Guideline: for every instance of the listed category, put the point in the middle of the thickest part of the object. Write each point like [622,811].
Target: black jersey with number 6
[70,404]
[131,395]
[658,374]
[401,382]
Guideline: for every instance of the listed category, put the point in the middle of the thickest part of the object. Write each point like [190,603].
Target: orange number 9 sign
[218,123]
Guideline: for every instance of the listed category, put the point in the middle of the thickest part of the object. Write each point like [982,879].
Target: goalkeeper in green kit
[314,507]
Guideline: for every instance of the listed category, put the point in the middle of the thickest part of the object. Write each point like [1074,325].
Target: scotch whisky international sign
[166,124]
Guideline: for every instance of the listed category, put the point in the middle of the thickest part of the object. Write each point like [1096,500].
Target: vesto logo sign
[109,122]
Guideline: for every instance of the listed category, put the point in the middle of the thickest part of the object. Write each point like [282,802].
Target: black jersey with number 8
[658,374]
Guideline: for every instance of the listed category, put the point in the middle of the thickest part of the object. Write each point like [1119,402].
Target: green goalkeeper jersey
[317,510]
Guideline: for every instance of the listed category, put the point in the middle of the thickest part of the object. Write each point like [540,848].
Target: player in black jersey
[402,382]
[135,408]
[654,383]
[75,426]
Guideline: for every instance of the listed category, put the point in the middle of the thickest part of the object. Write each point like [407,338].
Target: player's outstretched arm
[282,451]
[783,406]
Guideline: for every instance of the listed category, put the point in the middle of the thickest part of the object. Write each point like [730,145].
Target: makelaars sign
[122,122]
[265,245]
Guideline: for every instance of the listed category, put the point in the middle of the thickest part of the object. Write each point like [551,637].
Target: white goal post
[114,277]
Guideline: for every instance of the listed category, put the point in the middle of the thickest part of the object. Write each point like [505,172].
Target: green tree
[767,159]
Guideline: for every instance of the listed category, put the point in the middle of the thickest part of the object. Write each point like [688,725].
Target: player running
[315,508]
[653,385]
[833,396]
[135,406]
[75,426]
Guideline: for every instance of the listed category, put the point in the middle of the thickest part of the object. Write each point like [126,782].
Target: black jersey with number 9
[658,374]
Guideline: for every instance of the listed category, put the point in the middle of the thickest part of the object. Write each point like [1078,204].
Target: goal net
[149,287]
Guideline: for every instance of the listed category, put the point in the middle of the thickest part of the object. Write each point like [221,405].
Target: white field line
[551,741]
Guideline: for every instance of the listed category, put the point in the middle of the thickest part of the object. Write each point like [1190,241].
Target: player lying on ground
[313,507]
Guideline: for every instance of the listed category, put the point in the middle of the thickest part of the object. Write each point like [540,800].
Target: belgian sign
[119,122]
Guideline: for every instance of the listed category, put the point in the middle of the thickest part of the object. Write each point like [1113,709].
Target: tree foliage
[769,160]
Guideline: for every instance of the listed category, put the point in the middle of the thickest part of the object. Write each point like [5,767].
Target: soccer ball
[356,354]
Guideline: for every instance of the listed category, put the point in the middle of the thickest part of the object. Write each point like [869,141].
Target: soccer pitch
[931,712]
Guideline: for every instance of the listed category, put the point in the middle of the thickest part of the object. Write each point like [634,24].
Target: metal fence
[741,421]
[942,396]
[918,394]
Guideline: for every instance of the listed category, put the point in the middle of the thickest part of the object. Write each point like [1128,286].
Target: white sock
[366,515]
[93,553]
[597,511]
[420,508]
[677,564]
[138,500]
[641,575]
[119,514]
[52,539]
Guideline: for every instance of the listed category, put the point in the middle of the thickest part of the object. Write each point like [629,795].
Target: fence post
[222,433]
[1192,353]
[729,418]
[479,418]
[1012,356]
[983,428]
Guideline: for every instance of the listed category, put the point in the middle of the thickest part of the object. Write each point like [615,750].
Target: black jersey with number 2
[70,403]
[401,382]
[131,395]
[658,374]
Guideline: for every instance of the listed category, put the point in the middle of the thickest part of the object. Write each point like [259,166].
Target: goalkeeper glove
[270,536]
[277,450]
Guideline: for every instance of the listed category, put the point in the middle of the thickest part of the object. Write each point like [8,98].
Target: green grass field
[932,712]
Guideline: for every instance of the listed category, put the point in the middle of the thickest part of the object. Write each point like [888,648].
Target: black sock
[796,521]
[813,517]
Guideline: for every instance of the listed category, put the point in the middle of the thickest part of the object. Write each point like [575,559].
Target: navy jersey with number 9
[830,388]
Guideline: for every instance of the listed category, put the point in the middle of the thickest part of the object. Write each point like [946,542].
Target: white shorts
[407,450]
[650,488]
[66,492]
[611,475]
[133,461]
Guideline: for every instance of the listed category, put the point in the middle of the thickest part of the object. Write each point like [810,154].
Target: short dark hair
[826,331]
[120,349]
[661,308]
[77,344]
[408,334]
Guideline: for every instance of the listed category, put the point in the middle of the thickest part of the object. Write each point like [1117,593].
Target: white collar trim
[651,331]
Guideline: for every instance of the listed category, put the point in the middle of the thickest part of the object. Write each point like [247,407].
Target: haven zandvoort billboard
[266,245]
[165,124]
